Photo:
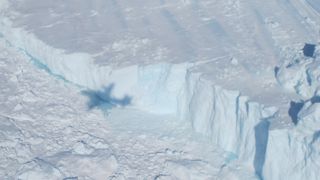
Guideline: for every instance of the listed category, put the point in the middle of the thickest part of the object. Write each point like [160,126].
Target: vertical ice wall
[294,154]
[230,120]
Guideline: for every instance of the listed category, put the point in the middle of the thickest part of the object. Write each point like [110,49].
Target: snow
[158,90]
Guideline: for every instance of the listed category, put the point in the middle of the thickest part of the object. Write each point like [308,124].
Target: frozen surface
[314,4]
[187,89]
[294,153]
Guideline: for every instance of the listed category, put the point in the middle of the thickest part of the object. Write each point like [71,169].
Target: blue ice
[261,137]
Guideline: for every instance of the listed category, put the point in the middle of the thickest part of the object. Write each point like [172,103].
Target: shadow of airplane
[102,99]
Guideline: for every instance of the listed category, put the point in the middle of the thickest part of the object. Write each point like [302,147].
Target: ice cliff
[230,120]
[294,153]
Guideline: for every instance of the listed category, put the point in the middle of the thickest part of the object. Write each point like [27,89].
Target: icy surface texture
[147,85]
[180,119]
[300,74]
[294,153]
[227,118]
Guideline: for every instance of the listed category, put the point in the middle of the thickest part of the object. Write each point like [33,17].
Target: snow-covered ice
[155,89]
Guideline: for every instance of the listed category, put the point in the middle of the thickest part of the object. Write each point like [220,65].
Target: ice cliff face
[294,153]
[230,120]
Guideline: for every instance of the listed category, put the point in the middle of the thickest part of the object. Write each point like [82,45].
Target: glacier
[292,152]
[237,126]
[163,88]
